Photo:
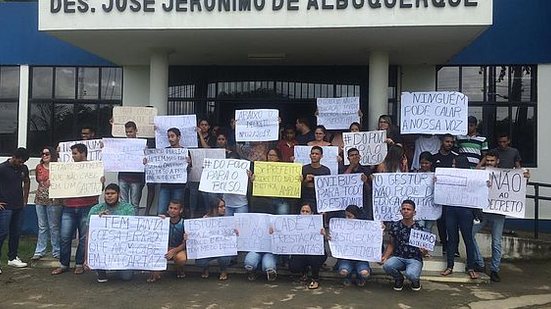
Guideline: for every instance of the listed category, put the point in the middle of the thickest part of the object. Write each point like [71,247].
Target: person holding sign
[355,167]
[392,132]
[204,138]
[315,168]
[320,135]
[131,183]
[399,256]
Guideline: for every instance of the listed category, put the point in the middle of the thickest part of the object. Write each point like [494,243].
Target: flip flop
[473,274]
[313,285]
[205,274]
[448,271]
[223,276]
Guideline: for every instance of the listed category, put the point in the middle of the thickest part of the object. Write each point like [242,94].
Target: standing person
[392,132]
[394,162]
[315,168]
[320,135]
[131,183]
[204,138]
[75,217]
[111,207]
[424,142]
[14,195]
[356,168]
[425,166]
[48,211]
[472,145]
[305,134]
[509,157]
[287,144]
[399,256]
[87,132]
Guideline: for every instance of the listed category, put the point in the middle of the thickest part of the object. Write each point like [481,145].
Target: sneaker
[494,276]
[17,263]
[416,285]
[102,277]
[346,282]
[36,257]
[398,284]
[271,274]
[0,271]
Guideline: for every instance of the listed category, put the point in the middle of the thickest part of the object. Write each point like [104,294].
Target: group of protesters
[59,220]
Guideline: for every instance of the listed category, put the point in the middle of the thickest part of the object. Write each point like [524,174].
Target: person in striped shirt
[472,145]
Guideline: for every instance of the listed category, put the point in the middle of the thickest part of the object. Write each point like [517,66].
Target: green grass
[27,244]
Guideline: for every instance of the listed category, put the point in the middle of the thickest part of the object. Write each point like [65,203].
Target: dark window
[9,102]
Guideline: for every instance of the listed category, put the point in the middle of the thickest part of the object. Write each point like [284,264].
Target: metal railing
[537,198]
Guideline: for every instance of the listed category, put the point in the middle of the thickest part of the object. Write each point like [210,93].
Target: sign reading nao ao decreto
[75,179]
[187,125]
[123,154]
[277,179]
[336,192]
[297,234]
[338,113]
[94,147]
[356,239]
[461,187]
[256,125]
[225,176]
[434,112]
[507,192]
[329,159]
[371,145]
[128,242]
[422,239]
[142,116]
[210,237]
[166,165]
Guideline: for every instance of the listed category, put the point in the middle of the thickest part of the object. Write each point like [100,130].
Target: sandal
[58,271]
[205,274]
[154,277]
[360,282]
[79,270]
[180,274]
[473,274]
[313,285]
[223,276]
[448,271]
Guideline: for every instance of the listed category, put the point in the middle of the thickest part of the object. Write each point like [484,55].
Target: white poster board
[297,234]
[461,187]
[329,159]
[371,145]
[336,192]
[197,157]
[210,237]
[123,154]
[391,189]
[338,113]
[422,239]
[75,179]
[127,242]
[354,239]
[253,232]
[166,165]
[187,124]
[435,112]
[225,176]
[507,193]
[93,146]
[256,125]
[142,116]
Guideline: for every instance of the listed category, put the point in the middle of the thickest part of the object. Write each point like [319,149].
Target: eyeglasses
[45,153]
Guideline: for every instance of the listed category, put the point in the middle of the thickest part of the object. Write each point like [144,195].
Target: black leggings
[300,264]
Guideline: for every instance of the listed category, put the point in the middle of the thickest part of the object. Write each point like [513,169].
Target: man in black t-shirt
[308,172]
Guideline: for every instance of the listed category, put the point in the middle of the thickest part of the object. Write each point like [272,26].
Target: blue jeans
[281,206]
[166,194]
[124,275]
[73,219]
[411,267]
[223,262]
[10,223]
[49,220]
[462,218]
[497,222]
[234,210]
[131,192]
[266,260]
[350,267]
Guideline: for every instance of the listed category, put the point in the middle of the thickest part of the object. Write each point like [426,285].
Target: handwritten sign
[422,239]
[434,112]
[356,239]
[461,187]
[297,235]
[507,193]
[253,232]
[255,125]
[277,179]
[338,113]
[371,145]
[92,145]
[187,125]
[391,189]
[127,242]
[336,192]
[166,165]
[210,237]
[329,159]
[197,157]
[123,154]
[142,116]
[75,179]
[225,176]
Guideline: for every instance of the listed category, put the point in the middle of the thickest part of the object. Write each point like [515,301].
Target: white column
[378,87]
[158,81]
[23,110]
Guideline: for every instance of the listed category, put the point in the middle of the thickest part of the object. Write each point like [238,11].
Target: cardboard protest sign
[461,187]
[338,113]
[507,193]
[353,239]
[225,176]
[422,239]
[435,112]
[123,154]
[94,147]
[336,192]
[253,232]
[127,242]
[391,189]
[371,145]
[166,165]
[297,234]
[187,124]
[277,179]
[329,159]
[210,237]
[75,179]
[142,116]
[197,157]
[256,125]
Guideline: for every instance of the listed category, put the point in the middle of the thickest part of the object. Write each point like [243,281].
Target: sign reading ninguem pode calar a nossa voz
[219,14]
